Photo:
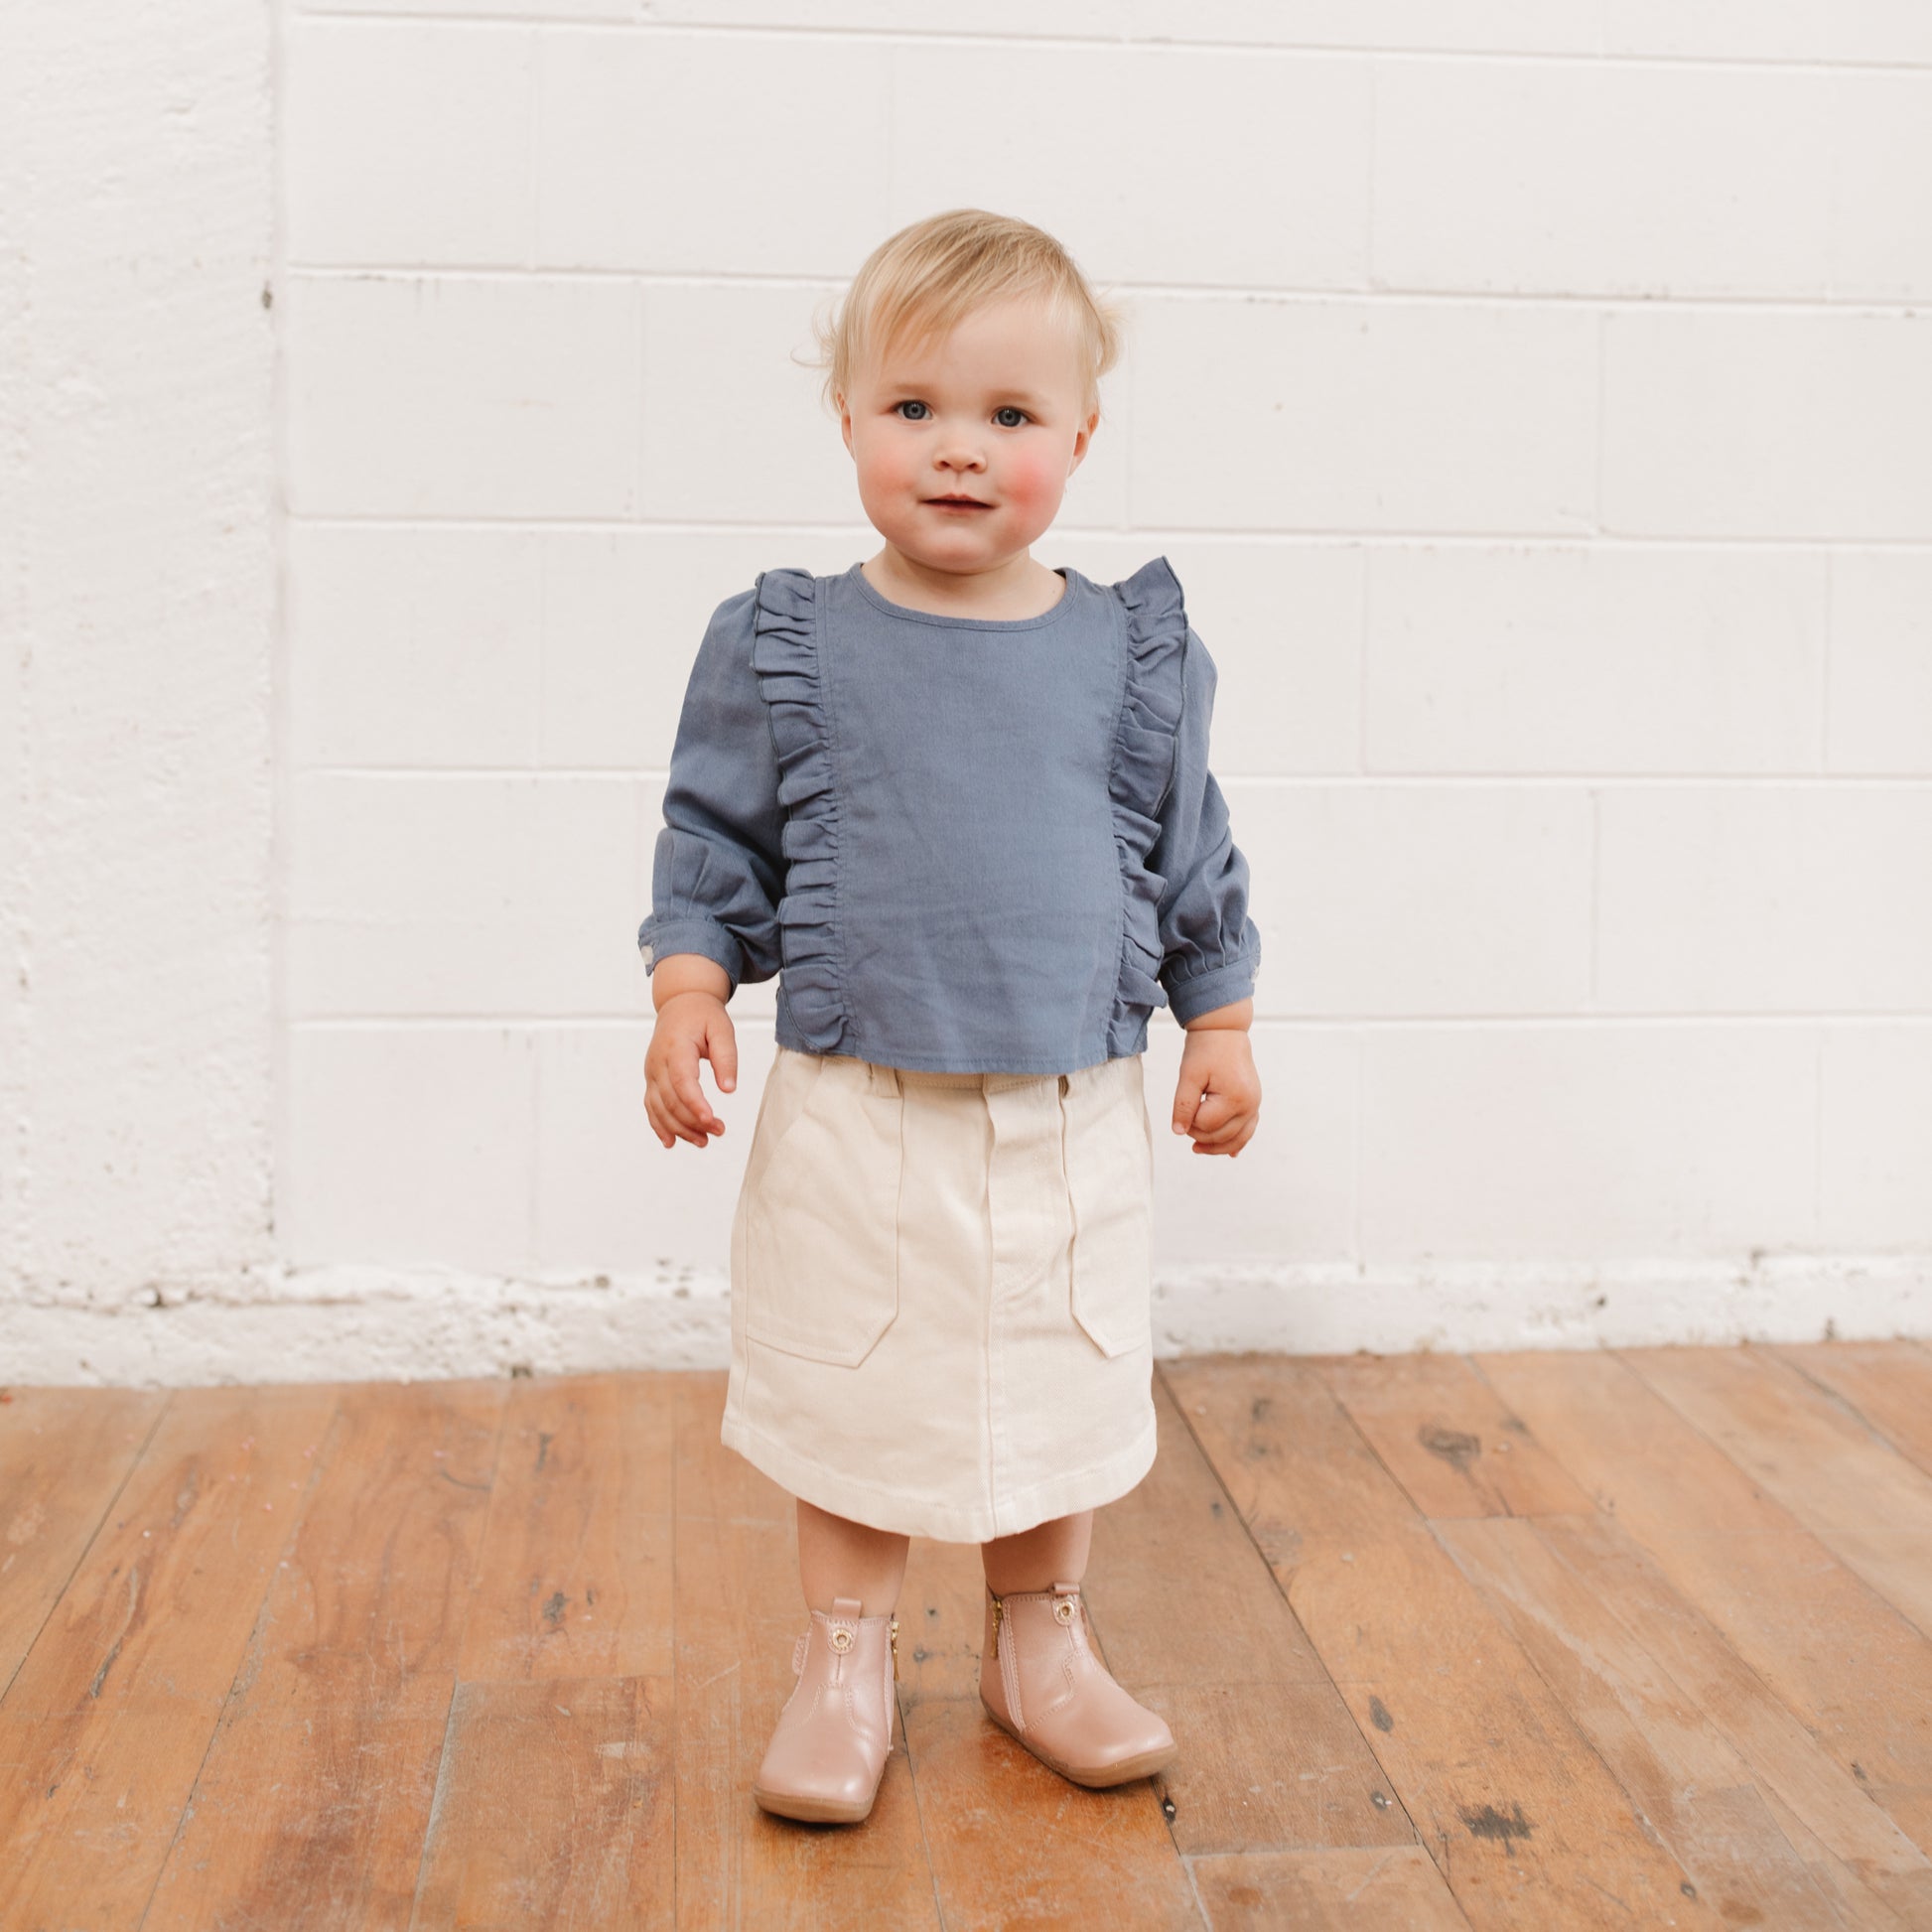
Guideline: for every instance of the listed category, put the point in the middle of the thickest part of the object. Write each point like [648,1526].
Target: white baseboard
[383,1325]
[1473,1306]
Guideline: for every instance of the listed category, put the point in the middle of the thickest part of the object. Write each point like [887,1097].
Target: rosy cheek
[872,478]
[887,465]
[1031,481]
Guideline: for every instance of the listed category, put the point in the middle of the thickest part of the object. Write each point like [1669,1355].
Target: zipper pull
[998,1610]
[891,1633]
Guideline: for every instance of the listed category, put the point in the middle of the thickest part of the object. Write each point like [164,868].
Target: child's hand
[1219,1096]
[690,1026]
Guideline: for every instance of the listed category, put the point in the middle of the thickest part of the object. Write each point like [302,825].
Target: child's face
[995,412]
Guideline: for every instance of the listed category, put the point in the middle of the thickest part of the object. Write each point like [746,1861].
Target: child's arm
[717,875]
[718,871]
[1210,947]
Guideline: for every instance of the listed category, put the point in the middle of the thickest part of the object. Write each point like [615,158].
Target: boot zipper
[892,1634]
[998,1610]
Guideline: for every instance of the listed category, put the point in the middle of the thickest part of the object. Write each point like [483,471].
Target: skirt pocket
[822,1212]
[1108,1145]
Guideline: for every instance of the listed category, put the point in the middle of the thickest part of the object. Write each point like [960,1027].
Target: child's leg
[1039,1677]
[835,1733]
[1038,1558]
[837,1558]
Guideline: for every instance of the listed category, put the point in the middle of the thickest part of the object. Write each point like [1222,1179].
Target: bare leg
[835,1733]
[1038,1558]
[837,1558]
[1041,1679]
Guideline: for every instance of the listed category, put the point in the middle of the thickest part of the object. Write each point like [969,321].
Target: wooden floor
[1539,1640]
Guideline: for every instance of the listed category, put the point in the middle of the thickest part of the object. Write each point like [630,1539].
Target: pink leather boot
[1040,1682]
[835,1733]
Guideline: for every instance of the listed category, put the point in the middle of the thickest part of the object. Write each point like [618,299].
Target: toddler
[960,805]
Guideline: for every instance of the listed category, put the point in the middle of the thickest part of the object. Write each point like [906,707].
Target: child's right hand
[690,1026]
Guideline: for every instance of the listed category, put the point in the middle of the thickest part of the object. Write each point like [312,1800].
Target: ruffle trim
[1140,778]
[786,660]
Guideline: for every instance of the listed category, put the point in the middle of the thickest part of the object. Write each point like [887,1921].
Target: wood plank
[312,1807]
[1013,1845]
[1805,1788]
[1849,1664]
[63,1456]
[1692,1789]
[575,1579]
[1867,1504]
[1010,1842]
[943,1622]
[1392,1888]
[1887,1383]
[1174,1566]
[353,1780]
[554,1807]
[1189,1617]
[1462,1403]
[1447,1440]
[108,1717]
[739,1611]
[712,1483]
[1520,1815]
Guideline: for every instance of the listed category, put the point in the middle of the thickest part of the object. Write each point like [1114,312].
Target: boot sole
[812,1811]
[1102,1777]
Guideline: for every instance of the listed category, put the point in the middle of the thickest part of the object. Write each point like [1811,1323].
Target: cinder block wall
[1535,402]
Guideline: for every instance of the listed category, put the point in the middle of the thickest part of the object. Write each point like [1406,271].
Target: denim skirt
[941,1308]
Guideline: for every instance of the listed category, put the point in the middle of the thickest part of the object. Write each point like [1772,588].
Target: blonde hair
[925,279]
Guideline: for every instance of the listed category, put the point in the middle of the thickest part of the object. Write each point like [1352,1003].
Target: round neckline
[1052,614]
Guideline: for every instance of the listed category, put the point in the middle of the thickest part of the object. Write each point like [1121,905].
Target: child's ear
[845,420]
[1082,437]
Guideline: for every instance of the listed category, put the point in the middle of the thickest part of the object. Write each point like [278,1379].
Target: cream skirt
[941,1293]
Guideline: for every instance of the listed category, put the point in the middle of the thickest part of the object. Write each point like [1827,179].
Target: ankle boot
[829,1750]
[1042,1683]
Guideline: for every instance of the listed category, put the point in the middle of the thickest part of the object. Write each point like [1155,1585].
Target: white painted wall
[1536,401]
[137,618]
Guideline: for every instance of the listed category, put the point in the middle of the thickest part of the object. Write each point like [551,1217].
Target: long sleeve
[717,869]
[1210,950]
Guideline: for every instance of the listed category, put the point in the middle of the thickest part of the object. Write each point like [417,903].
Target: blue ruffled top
[963,843]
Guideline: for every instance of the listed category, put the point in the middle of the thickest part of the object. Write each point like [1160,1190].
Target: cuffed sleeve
[1210,950]
[717,869]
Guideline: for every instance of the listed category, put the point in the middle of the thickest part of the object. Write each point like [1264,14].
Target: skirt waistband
[894,1080]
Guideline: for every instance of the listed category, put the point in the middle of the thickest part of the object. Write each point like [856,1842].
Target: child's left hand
[1219,1097]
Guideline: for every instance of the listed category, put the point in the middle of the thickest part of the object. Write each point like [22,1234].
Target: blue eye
[910,404]
[1008,410]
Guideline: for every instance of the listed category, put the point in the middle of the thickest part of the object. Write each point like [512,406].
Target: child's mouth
[958,504]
